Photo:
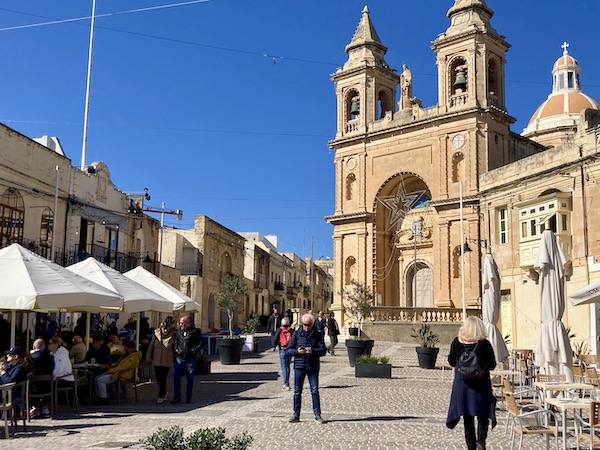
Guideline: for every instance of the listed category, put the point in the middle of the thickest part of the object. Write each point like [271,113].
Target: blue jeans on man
[187,367]
[285,360]
[313,381]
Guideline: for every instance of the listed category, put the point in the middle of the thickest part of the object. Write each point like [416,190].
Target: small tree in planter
[359,304]
[249,330]
[230,298]
[427,350]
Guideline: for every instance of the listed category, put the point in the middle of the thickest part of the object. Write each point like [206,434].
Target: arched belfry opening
[402,241]
[458,77]
[384,104]
[352,105]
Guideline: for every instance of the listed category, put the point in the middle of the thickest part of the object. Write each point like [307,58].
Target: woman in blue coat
[475,398]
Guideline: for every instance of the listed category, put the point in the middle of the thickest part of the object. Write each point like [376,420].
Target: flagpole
[87,90]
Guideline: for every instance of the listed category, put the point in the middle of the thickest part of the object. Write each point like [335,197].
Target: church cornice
[444,40]
[348,218]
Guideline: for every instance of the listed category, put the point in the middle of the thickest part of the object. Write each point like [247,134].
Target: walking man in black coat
[273,325]
[188,343]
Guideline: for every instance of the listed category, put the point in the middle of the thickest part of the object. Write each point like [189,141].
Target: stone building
[415,184]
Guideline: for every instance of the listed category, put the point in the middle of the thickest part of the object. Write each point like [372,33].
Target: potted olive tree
[427,351]
[359,304]
[251,343]
[230,298]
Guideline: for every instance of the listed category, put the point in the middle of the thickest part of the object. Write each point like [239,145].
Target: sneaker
[33,412]
[319,419]
[287,388]
[294,419]
[160,400]
[46,411]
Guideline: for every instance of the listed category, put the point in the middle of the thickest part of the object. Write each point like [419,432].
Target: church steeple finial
[565,46]
[365,45]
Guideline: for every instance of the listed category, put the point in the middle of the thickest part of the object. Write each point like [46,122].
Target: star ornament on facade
[399,205]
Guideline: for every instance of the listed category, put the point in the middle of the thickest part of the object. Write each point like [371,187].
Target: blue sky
[225,107]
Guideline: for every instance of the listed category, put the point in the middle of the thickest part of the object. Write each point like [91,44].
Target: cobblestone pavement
[406,412]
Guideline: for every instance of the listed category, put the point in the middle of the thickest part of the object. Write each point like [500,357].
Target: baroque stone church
[422,194]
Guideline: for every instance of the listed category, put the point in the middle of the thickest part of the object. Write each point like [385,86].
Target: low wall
[400,332]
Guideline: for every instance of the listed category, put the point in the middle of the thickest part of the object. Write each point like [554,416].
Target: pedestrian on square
[162,356]
[307,347]
[282,340]
[472,398]
[333,331]
[321,322]
[188,343]
[273,325]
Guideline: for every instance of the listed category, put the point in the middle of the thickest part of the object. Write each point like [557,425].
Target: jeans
[313,381]
[284,360]
[482,430]
[101,382]
[187,366]
[161,372]
[273,333]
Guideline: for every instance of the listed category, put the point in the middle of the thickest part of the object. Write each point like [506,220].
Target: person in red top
[282,339]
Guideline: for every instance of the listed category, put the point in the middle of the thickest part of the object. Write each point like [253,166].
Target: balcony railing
[260,281]
[279,286]
[418,315]
[191,269]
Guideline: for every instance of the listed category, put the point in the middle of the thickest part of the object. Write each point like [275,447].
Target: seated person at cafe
[115,345]
[124,369]
[78,351]
[14,370]
[63,370]
[42,363]
[99,352]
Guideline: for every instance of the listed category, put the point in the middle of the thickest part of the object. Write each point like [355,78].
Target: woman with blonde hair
[472,398]
[63,370]
[162,356]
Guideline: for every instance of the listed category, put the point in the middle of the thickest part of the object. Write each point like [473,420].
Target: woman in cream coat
[160,354]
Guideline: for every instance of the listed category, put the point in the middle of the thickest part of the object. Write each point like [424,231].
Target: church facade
[422,194]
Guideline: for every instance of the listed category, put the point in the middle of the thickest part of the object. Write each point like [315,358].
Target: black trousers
[161,372]
[482,430]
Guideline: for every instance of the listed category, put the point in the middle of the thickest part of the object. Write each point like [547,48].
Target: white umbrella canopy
[553,354]
[491,306]
[154,283]
[135,296]
[587,295]
[30,282]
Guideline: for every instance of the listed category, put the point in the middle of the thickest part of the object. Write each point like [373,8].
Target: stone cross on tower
[565,46]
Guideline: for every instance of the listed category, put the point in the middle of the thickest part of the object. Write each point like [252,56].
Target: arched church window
[350,270]
[352,105]
[12,217]
[456,262]
[226,263]
[350,186]
[493,79]
[46,232]
[458,76]
[457,166]
[383,104]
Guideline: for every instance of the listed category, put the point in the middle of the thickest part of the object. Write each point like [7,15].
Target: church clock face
[458,141]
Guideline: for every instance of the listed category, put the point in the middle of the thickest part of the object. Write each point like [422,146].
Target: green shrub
[202,439]
[425,336]
[365,359]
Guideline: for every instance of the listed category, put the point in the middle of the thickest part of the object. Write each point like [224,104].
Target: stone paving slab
[406,412]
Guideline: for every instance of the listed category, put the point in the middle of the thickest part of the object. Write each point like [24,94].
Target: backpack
[284,337]
[468,365]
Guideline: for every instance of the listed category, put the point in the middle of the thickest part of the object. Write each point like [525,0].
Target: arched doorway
[419,283]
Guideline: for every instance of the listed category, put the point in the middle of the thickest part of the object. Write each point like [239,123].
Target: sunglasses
[307,324]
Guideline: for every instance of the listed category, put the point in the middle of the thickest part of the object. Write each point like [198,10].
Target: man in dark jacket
[307,346]
[273,325]
[188,343]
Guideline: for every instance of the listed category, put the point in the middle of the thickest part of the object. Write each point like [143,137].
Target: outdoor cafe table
[563,405]
[90,371]
[546,387]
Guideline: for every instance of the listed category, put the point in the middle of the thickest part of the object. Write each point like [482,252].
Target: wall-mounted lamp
[483,243]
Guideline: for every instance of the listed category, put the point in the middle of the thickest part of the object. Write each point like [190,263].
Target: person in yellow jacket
[124,368]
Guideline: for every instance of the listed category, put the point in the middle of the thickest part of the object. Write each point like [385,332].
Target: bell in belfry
[355,106]
[461,79]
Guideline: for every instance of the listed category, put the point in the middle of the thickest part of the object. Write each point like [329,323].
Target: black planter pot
[357,347]
[427,356]
[203,367]
[353,331]
[230,350]
[373,370]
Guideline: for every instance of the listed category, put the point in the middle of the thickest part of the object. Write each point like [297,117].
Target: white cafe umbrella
[135,296]
[587,295]
[30,282]
[490,297]
[553,354]
[154,283]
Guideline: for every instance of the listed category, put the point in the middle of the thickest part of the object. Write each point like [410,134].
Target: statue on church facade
[406,85]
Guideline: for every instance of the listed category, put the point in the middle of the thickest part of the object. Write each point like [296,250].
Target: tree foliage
[231,296]
[359,301]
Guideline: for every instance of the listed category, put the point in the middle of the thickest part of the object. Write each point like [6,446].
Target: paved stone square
[406,412]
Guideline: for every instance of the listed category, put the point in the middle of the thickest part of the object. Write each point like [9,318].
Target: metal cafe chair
[46,395]
[7,407]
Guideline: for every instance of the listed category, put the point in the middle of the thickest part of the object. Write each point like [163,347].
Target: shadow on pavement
[42,430]
[376,419]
